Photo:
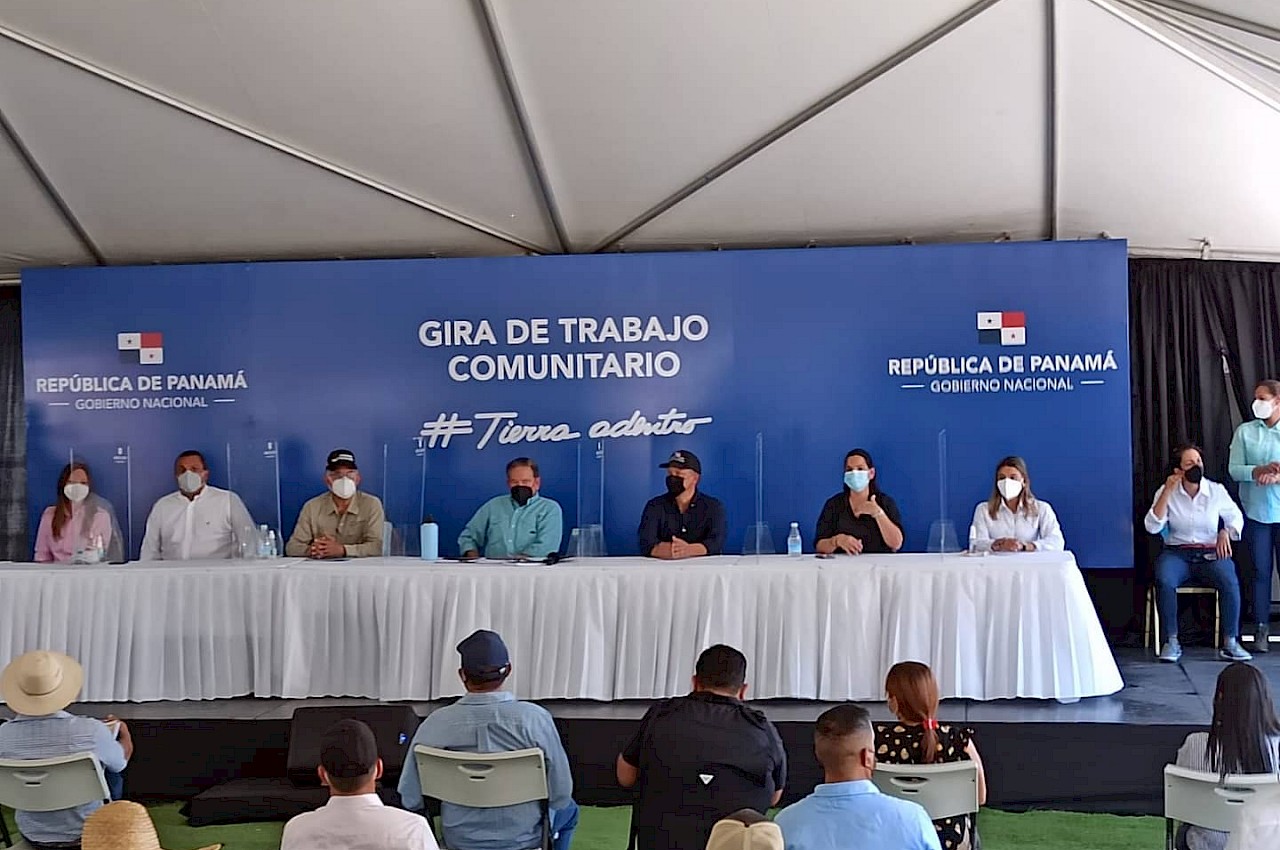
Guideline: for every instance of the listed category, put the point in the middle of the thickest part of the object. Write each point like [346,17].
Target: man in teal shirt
[520,524]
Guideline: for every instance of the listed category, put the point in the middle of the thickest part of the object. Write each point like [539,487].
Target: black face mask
[521,494]
[1194,475]
[675,485]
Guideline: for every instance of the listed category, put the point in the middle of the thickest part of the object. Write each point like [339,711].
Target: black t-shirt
[703,522]
[837,518]
[701,757]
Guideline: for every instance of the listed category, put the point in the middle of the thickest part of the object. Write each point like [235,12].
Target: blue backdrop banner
[437,372]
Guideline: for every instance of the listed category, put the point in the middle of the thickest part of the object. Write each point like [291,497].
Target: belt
[1206,553]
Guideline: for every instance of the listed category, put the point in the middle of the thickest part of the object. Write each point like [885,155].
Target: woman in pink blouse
[77,521]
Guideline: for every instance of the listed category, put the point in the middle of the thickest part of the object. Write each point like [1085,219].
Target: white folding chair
[486,780]
[52,784]
[1199,798]
[946,790]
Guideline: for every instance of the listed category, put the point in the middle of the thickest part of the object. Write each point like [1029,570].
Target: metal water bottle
[430,539]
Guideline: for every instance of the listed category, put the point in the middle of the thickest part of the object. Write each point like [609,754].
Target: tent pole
[55,197]
[814,109]
[1198,11]
[265,140]
[524,125]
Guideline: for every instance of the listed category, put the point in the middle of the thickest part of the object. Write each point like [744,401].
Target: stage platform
[1102,754]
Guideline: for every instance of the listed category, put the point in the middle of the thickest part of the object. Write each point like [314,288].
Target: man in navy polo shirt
[701,757]
[683,522]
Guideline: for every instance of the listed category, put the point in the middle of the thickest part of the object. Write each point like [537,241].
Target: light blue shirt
[1254,444]
[491,723]
[500,529]
[59,734]
[856,816]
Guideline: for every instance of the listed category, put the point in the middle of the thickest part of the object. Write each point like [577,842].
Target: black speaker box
[393,727]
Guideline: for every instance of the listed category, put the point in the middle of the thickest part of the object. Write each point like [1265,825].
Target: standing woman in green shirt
[1255,463]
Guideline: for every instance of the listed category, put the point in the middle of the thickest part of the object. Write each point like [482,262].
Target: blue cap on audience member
[340,457]
[682,459]
[484,656]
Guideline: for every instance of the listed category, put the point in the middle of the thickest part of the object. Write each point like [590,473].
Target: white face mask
[1010,488]
[190,482]
[76,492]
[1263,409]
[343,488]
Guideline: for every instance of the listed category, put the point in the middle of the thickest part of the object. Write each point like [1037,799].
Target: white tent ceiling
[174,130]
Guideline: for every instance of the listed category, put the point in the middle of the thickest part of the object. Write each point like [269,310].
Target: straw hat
[731,834]
[41,682]
[123,825]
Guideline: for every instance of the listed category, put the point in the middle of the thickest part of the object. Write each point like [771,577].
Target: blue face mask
[857,480]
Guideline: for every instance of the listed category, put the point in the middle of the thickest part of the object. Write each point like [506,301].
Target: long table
[619,628]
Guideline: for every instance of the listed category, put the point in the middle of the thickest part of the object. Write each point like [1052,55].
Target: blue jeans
[1175,567]
[115,784]
[563,823]
[1262,538]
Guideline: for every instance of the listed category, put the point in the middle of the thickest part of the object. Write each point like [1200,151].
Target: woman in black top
[860,519]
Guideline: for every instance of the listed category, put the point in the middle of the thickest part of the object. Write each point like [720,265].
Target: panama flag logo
[136,347]
[1007,328]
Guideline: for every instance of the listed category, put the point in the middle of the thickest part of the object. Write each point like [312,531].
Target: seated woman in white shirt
[1198,520]
[1013,519]
[1243,738]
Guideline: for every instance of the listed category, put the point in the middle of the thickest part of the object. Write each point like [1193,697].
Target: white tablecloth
[620,628]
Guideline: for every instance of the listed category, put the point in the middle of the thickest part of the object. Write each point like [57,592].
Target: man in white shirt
[355,818]
[1198,521]
[198,522]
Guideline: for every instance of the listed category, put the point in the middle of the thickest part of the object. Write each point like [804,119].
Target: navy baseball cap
[484,656]
[340,457]
[348,749]
[684,460]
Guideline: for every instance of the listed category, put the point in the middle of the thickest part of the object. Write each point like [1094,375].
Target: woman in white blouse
[1198,520]
[1013,519]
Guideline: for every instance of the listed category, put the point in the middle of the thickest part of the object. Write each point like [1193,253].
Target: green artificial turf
[606,829]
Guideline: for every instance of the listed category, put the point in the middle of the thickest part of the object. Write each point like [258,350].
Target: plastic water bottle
[273,546]
[99,549]
[794,543]
[973,540]
[263,551]
[430,539]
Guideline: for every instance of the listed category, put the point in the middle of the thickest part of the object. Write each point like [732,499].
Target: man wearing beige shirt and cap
[343,523]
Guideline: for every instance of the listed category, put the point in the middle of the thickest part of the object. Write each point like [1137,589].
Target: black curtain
[13,432]
[1202,333]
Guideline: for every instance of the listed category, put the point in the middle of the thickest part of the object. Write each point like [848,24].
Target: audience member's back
[745,830]
[490,720]
[39,686]
[847,811]
[1243,738]
[700,757]
[918,738]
